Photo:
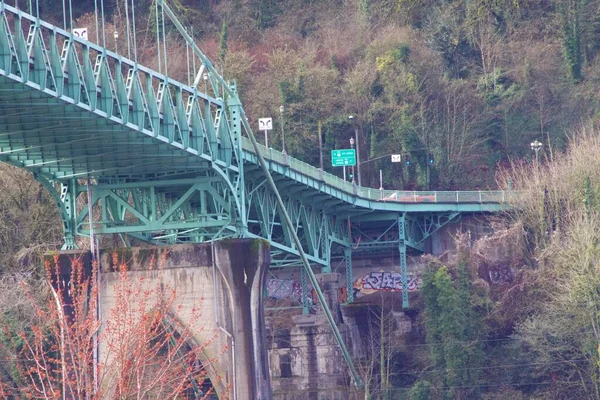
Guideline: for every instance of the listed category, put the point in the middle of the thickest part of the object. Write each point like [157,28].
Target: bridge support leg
[243,264]
[68,197]
[304,292]
[402,252]
[66,201]
[349,279]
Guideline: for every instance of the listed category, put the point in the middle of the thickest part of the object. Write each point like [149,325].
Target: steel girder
[376,235]
[317,229]
[165,159]
[161,212]
[107,85]
[393,232]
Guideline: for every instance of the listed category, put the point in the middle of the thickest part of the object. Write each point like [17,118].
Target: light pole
[351,118]
[205,78]
[352,146]
[536,146]
[116,36]
[282,133]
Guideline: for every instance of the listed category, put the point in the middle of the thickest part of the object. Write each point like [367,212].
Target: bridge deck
[375,199]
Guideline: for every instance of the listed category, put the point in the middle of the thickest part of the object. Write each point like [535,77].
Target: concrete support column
[330,285]
[243,265]
[306,361]
[226,280]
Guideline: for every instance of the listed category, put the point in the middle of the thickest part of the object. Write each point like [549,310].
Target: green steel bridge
[126,150]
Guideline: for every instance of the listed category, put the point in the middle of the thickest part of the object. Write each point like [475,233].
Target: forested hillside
[471,82]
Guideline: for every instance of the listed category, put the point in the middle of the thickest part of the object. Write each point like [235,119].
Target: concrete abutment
[218,291]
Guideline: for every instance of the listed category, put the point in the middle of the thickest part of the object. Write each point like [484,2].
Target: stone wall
[305,360]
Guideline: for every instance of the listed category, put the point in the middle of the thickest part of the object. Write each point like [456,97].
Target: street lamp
[116,36]
[282,134]
[352,146]
[205,78]
[536,146]
[351,118]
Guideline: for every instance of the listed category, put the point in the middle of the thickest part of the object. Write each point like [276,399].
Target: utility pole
[352,147]
[320,147]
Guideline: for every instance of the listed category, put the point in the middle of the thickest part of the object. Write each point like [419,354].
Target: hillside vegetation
[472,83]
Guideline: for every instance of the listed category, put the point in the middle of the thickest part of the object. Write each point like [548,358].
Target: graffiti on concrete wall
[286,289]
[383,282]
[373,282]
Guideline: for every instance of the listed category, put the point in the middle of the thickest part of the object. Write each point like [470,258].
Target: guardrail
[480,196]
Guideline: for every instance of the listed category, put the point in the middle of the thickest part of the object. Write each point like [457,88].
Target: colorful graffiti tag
[370,283]
[286,289]
[383,281]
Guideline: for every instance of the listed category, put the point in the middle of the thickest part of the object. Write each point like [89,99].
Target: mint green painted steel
[317,229]
[349,277]
[305,299]
[395,231]
[419,227]
[83,111]
[402,252]
[375,199]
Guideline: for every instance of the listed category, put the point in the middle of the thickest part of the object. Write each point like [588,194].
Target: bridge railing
[401,196]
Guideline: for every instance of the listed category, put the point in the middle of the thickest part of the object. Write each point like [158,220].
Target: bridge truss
[125,150]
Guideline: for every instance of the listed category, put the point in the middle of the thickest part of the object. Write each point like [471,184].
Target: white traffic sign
[265,124]
[396,157]
[81,33]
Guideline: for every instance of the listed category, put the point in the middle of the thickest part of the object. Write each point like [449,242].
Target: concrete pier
[218,289]
[305,360]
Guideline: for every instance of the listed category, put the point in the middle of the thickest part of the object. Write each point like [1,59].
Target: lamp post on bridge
[281,109]
[352,147]
[116,36]
[351,118]
[205,78]
[536,146]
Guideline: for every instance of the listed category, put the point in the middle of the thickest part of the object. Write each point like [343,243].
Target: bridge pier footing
[225,279]
[305,360]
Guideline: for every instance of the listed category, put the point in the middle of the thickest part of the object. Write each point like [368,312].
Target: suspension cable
[187,61]
[164,33]
[157,36]
[193,54]
[127,27]
[96,16]
[71,15]
[134,33]
[64,15]
[103,31]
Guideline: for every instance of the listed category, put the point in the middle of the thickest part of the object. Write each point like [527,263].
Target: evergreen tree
[570,14]
[453,333]
[364,11]
[223,45]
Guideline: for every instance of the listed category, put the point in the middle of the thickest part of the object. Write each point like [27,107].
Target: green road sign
[342,157]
